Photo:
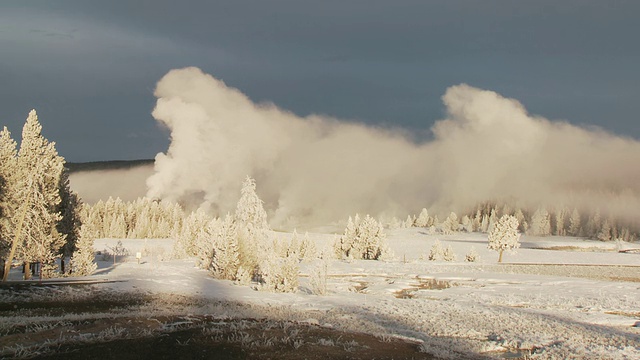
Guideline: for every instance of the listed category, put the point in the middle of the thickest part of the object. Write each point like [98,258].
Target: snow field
[480,308]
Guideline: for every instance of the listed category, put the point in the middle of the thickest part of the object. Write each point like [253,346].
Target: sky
[90,68]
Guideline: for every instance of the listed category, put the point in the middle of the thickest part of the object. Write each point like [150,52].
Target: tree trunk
[27,270]
[500,258]
[62,265]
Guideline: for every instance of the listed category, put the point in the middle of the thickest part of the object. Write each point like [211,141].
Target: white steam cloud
[318,169]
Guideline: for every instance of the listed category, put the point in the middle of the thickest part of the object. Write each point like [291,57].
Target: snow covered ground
[590,309]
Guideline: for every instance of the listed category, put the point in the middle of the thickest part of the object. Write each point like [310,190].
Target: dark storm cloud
[89,67]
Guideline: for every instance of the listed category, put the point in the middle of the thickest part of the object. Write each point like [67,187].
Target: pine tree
[437,251]
[8,205]
[540,223]
[362,240]
[472,255]
[594,225]
[252,227]
[83,258]
[450,224]
[69,207]
[467,224]
[449,254]
[561,215]
[225,261]
[40,169]
[423,219]
[307,248]
[250,212]
[574,223]
[605,231]
[504,235]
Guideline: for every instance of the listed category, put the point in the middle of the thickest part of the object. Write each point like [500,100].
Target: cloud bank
[317,169]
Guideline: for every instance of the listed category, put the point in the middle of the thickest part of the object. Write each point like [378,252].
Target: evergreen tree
[540,223]
[472,255]
[467,224]
[437,251]
[561,215]
[605,231]
[450,224]
[70,207]
[250,212]
[362,240]
[594,225]
[423,218]
[83,257]
[8,205]
[504,235]
[449,254]
[40,168]
[574,223]
[225,261]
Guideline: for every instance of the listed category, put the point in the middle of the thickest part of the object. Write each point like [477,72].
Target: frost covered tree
[449,254]
[40,170]
[605,231]
[593,225]
[560,217]
[504,235]
[423,219]
[83,257]
[225,259]
[540,223]
[467,224]
[250,210]
[437,251]
[307,249]
[252,225]
[472,255]
[450,224]
[279,274]
[362,239]
[8,205]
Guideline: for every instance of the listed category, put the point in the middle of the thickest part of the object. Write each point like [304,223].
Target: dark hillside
[107,165]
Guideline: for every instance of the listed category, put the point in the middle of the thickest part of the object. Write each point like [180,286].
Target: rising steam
[318,169]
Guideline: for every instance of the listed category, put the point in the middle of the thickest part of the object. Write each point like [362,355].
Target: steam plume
[318,169]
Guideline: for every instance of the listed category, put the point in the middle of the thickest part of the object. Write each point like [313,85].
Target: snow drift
[317,169]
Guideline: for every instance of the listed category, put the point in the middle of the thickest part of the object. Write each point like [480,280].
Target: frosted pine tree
[40,168]
[540,223]
[504,235]
[449,254]
[450,224]
[8,205]
[252,226]
[561,216]
[605,231]
[594,224]
[467,224]
[83,258]
[437,251]
[225,261]
[345,244]
[362,239]
[373,240]
[250,210]
[307,248]
[472,255]
[423,218]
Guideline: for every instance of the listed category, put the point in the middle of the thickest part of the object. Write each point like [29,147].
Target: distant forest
[107,165]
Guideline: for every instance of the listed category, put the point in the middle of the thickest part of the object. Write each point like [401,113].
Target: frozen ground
[533,305]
